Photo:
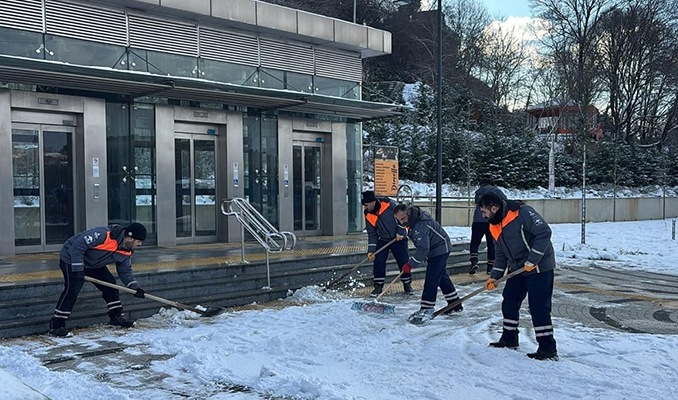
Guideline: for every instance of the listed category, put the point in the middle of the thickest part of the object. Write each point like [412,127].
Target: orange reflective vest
[372,218]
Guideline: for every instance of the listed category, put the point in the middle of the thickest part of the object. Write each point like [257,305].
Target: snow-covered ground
[318,348]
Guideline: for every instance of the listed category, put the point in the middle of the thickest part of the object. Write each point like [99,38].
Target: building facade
[156,110]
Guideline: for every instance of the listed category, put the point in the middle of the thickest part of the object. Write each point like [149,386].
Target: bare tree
[468,19]
[504,61]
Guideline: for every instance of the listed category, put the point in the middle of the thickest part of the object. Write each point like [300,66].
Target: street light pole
[439,141]
[354,9]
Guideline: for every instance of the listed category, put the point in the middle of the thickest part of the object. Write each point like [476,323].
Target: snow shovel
[375,306]
[208,312]
[476,292]
[352,270]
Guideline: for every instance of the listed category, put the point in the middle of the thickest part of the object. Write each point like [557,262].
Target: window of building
[82,52]
[354,176]
[27,44]
[228,73]
[337,88]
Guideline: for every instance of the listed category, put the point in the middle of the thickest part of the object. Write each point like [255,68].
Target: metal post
[242,242]
[268,272]
[673,230]
[354,9]
[583,198]
[439,141]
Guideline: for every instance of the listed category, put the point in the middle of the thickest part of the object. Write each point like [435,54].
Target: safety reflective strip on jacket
[372,218]
[496,229]
[111,245]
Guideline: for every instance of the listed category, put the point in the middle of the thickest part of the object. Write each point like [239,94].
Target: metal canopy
[140,84]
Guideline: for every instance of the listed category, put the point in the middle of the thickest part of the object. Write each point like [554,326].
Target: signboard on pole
[385,170]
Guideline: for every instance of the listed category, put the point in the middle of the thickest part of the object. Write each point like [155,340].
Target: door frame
[40,128]
[190,131]
[306,139]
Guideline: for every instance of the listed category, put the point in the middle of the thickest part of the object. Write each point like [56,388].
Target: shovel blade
[378,308]
[212,311]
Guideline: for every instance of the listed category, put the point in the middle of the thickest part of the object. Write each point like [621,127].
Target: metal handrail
[270,238]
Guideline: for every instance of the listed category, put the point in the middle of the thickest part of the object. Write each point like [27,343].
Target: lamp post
[439,140]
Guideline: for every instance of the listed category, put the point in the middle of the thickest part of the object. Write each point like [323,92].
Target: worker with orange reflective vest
[382,227]
[88,253]
[522,239]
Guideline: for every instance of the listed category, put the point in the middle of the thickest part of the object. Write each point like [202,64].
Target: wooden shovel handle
[334,282]
[476,292]
[389,285]
[146,295]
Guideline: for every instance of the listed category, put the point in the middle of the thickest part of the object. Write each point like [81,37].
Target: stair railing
[270,238]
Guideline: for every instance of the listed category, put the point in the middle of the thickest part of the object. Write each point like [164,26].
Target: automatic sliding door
[306,171]
[196,191]
[42,168]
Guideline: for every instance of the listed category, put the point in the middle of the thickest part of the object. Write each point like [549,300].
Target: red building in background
[562,119]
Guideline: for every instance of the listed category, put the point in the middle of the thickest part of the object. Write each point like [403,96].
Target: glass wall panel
[297,187]
[354,176]
[271,78]
[81,52]
[229,73]
[170,64]
[14,42]
[130,149]
[182,164]
[205,188]
[26,174]
[260,145]
[312,187]
[299,82]
[58,167]
[337,88]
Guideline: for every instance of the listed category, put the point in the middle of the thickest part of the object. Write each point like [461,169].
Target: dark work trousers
[478,230]
[401,255]
[72,288]
[539,290]
[437,276]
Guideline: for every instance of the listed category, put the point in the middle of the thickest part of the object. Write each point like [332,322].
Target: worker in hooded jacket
[523,239]
[87,254]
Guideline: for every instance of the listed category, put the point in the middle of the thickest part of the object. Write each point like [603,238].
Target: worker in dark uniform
[481,227]
[87,254]
[433,244]
[523,239]
[382,227]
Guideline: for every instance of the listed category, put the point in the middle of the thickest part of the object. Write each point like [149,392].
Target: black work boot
[118,320]
[540,354]
[474,269]
[378,287]
[501,343]
[407,288]
[458,308]
[57,327]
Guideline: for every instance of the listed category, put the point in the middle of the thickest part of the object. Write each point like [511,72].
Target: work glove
[78,275]
[490,285]
[370,256]
[529,266]
[407,268]
[399,238]
[140,293]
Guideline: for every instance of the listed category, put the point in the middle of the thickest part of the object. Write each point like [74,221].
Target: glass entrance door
[130,154]
[196,188]
[43,175]
[306,173]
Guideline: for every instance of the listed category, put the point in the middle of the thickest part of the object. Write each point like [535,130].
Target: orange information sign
[385,177]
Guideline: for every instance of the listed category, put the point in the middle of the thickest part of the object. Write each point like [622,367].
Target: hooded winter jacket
[381,223]
[98,247]
[478,215]
[425,232]
[520,235]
